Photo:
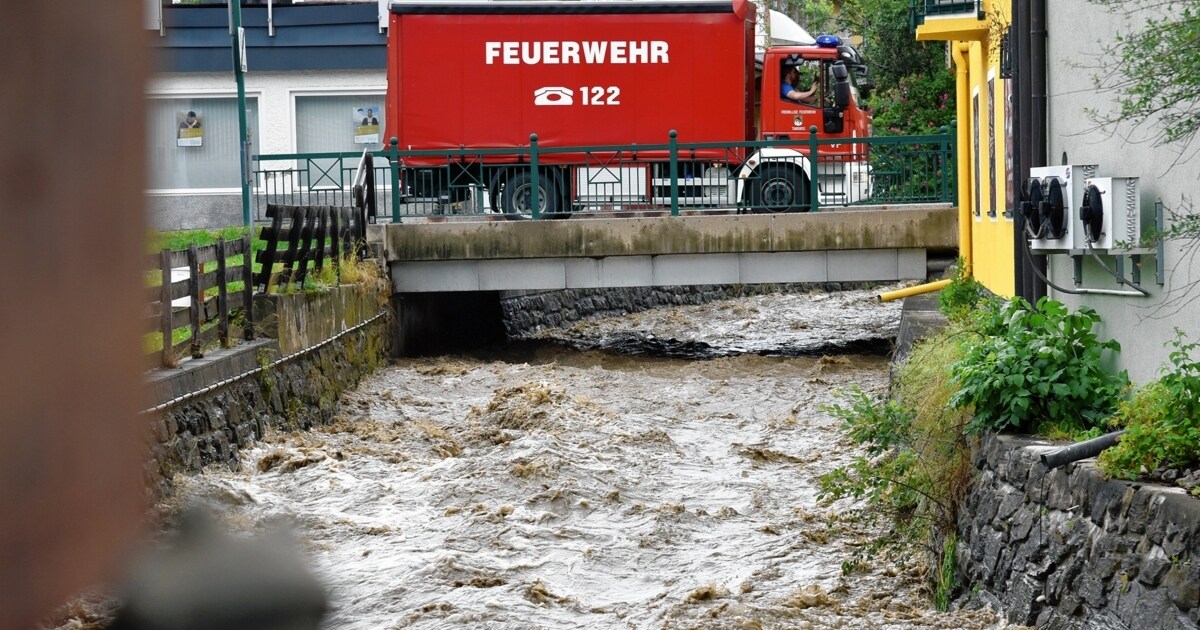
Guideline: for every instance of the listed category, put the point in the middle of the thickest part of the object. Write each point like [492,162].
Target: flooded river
[555,484]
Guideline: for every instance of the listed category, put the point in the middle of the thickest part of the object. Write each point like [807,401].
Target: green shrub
[960,299]
[1161,420]
[917,462]
[1037,369]
[944,578]
[920,104]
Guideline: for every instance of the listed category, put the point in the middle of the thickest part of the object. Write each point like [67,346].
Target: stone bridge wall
[1068,548]
[528,311]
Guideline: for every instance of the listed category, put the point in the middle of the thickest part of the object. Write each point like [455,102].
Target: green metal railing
[914,169]
[675,177]
[311,179]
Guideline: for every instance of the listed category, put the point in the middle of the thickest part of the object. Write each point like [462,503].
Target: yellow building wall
[986,157]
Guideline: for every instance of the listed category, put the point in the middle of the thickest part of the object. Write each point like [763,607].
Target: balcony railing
[918,11]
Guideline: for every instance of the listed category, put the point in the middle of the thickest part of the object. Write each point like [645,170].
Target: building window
[1006,70]
[193,142]
[991,113]
[343,122]
[978,181]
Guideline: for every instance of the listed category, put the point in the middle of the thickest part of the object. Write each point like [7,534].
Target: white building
[310,68]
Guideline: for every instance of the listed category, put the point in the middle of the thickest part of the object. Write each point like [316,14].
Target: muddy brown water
[547,486]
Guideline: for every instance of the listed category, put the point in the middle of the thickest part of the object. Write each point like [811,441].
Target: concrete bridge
[450,276]
[860,244]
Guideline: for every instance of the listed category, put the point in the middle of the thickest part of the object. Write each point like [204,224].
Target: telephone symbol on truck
[551,95]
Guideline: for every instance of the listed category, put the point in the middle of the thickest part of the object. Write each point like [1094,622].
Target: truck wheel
[780,188]
[515,197]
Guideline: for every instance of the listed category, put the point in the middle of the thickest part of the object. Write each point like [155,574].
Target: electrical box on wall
[1110,213]
[1053,195]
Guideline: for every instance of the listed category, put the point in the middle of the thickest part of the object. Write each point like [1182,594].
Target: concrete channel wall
[209,409]
[1070,549]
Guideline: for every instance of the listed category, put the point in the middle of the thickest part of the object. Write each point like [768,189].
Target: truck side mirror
[862,78]
[841,95]
[841,86]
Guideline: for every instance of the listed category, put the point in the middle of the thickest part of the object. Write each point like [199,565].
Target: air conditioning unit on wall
[1053,195]
[1110,213]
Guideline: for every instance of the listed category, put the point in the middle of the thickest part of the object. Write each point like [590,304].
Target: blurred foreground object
[209,579]
[72,445]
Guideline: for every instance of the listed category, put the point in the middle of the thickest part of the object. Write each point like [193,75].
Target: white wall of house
[1141,325]
[198,187]
[276,93]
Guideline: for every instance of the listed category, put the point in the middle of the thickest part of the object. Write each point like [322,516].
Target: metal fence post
[534,198]
[953,174]
[248,286]
[814,195]
[944,156]
[674,172]
[394,160]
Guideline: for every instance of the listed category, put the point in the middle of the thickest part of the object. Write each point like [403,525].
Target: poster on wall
[190,132]
[366,124]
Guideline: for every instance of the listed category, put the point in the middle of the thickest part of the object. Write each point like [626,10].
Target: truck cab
[777,178]
[783,118]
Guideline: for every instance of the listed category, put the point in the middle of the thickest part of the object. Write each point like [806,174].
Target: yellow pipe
[960,51]
[928,287]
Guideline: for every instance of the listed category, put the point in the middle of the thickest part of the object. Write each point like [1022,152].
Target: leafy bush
[958,300]
[1037,368]
[917,465]
[887,40]
[920,104]
[1161,420]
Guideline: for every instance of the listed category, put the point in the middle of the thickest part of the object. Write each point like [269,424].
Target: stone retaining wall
[296,394]
[527,312]
[1068,548]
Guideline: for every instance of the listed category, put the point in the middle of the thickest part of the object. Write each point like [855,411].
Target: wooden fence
[299,241]
[312,234]
[205,306]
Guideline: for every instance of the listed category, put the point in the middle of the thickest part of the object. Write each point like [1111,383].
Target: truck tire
[779,188]
[514,198]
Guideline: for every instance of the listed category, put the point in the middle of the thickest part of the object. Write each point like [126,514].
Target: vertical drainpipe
[1029,130]
[1036,134]
[239,73]
[1019,42]
[961,54]
[1037,80]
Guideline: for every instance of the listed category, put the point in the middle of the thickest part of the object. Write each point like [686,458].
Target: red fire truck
[481,76]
